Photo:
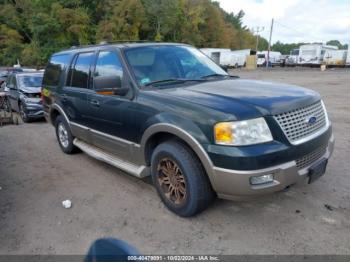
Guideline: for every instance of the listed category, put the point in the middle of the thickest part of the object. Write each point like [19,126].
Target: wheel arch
[158,133]
[55,111]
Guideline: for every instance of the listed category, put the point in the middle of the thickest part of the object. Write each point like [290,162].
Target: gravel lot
[35,177]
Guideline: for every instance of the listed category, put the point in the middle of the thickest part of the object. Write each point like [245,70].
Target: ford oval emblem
[311,120]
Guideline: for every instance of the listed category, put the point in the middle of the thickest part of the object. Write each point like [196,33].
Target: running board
[99,154]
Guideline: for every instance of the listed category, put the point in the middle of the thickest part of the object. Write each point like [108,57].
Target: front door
[109,130]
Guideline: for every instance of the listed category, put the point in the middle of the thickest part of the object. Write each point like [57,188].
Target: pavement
[35,177]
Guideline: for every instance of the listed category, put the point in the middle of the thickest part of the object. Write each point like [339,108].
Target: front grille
[311,158]
[295,123]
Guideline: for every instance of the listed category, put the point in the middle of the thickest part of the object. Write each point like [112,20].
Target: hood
[30,90]
[228,96]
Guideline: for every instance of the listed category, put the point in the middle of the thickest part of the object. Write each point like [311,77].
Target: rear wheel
[64,135]
[180,180]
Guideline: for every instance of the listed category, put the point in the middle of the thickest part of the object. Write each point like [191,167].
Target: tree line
[286,48]
[31,30]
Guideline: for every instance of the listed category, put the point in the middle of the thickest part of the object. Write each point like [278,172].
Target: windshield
[30,81]
[157,63]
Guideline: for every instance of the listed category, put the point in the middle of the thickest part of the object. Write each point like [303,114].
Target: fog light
[259,180]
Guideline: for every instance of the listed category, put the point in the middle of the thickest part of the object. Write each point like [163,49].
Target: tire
[174,165]
[64,136]
[23,113]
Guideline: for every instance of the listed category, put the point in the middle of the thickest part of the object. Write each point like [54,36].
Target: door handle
[95,103]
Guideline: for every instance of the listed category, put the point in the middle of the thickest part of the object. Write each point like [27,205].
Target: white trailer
[274,58]
[231,59]
[335,57]
[313,54]
[243,54]
[225,57]
[214,53]
[348,57]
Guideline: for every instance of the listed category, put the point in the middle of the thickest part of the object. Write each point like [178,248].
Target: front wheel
[180,179]
[23,113]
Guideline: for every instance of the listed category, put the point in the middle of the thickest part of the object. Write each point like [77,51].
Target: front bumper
[235,184]
[34,110]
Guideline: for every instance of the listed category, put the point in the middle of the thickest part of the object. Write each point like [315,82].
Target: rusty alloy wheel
[172,181]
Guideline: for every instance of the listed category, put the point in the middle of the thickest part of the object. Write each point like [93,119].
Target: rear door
[73,96]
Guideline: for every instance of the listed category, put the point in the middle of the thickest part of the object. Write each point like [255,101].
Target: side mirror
[109,85]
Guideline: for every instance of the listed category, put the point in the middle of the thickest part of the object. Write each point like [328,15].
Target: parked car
[168,111]
[24,93]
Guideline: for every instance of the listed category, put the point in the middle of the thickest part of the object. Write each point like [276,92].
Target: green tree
[31,30]
[338,44]
[125,23]
[10,45]
[162,15]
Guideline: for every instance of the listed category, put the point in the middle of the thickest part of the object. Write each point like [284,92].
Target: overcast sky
[296,20]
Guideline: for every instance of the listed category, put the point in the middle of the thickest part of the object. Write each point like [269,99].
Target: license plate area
[317,170]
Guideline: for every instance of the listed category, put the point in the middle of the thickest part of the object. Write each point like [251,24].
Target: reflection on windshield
[163,62]
[30,81]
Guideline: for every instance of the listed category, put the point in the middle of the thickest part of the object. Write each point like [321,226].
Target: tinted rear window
[54,69]
[79,72]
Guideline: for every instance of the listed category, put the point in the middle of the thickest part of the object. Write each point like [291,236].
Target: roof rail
[114,42]
[128,41]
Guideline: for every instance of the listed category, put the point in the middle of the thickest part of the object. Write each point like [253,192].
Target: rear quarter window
[54,69]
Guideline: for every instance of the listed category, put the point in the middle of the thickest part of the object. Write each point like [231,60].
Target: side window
[54,69]
[8,81]
[11,81]
[108,73]
[108,64]
[79,71]
[14,82]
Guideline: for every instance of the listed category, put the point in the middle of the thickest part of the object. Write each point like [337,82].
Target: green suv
[168,111]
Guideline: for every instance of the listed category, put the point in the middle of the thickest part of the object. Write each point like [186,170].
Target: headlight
[242,133]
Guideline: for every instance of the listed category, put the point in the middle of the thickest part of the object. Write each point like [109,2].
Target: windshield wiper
[174,80]
[214,75]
